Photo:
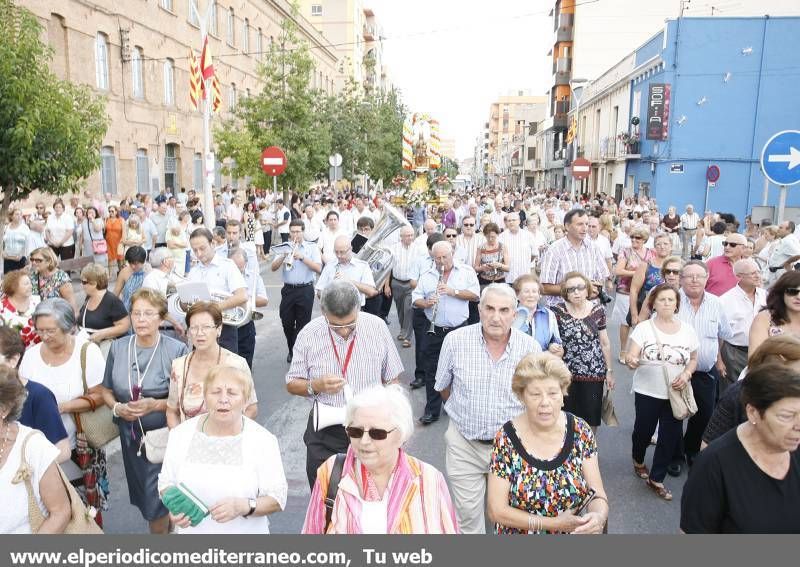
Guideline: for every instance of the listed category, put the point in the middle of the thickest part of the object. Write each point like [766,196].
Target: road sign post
[712,176]
[273,163]
[780,159]
[335,161]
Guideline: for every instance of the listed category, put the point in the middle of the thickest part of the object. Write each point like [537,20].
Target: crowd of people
[506,298]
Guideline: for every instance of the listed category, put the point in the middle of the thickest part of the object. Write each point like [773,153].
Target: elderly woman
[17,305]
[629,259]
[228,461]
[186,397]
[59,232]
[41,457]
[491,259]
[782,314]
[544,447]
[103,316]
[660,348]
[133,235]
[56,364]
[15,242]
[383,490]
[587,348]
[130,277]
[748,480]
[647,276]
[92,230]
[49,281]
[136,386]
[536,320]
[178,242]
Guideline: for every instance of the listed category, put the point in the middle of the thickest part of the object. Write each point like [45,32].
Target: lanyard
[343,367]
[136,390]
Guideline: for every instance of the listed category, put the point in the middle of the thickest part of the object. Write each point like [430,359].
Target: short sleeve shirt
[675,351]
[110,310]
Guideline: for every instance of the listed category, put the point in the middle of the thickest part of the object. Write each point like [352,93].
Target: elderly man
[689,222]
[467,245]
[742,303]
[421,242]
[328,235]
[450,287]
[163,262]
[785,250]
[720,269]
[257,293]
[519,246]
[705,313]
[338,355]
[573,253]
[348,268]
[161,219]
[476,366]
[398,284]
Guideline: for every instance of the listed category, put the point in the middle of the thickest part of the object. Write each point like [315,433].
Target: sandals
[406,343]
[641,471]
[660,490]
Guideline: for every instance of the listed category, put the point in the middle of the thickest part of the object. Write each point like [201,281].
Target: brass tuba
[235,316]
[379,257]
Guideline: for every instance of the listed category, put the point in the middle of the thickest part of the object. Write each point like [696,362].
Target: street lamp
[576,86]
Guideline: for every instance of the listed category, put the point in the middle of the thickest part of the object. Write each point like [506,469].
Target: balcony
[565,27]
[369,33]
[562,70]
[560,119]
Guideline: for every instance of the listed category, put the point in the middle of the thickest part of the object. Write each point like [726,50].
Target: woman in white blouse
[229,462]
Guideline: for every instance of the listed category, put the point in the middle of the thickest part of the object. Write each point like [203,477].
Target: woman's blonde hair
[96,274]
[242,377]
[540,366]
[49,257]
[151,296]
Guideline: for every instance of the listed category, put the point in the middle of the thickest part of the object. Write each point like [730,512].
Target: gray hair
[500,289]
[743,265]
[60,310]
[158,256]
[340,299]
[232,253]
[391,400]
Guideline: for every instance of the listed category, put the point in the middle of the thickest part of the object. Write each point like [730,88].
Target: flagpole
[209,163]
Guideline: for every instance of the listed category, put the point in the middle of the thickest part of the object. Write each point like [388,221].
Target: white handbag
[155,444]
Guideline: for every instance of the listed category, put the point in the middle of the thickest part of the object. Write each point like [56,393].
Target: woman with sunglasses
[648,276]
[782,314]
[49,281]
[671,274]
[382,490]
[114,225]
[186,396]
[587,348]
[135,387]
[629,259]
[228,461]
[103,316]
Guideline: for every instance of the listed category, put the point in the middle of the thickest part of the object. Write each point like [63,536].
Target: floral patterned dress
[543,487]
[46,287]
[21,322]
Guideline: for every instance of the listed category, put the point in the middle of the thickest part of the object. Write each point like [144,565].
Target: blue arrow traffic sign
[780,158]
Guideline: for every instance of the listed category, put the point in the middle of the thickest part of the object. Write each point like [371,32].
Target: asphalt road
[634,509]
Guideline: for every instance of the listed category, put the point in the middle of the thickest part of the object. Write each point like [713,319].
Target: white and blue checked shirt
[481,400]
[710,323]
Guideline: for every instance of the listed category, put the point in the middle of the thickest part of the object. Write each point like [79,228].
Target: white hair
[390,399]
[500,289]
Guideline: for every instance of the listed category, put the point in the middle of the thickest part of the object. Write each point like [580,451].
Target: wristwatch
[310,389]
[455,292]
[252,503]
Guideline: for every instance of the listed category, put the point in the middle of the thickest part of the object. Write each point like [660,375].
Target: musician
[343,346]
[421,264]
[255,289]
[297,294]
[364,228]
[221,275]
[348,268]
[450,287]
[233,240]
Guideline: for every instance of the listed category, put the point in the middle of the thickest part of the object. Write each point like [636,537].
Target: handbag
[81,519]
[99,246]
[682,401]
[155,444]
[607,412]
[180,500]
[97,424]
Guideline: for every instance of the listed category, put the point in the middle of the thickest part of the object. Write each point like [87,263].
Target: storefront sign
[658,111]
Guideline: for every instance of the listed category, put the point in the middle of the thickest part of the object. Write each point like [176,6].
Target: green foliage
[448,167]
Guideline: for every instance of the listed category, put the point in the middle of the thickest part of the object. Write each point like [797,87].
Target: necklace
[5,443]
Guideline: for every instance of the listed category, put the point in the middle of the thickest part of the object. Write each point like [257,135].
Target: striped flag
[216,95]
[195,80]
[206,63]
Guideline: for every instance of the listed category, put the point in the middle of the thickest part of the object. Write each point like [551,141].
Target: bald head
[342,249]
[429,227]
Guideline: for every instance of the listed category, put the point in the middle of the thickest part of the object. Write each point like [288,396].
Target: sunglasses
[375,434]
[731,244]
[672,272]
[465,224]
[85,282]
[792,291]
[450,235]
[573,289]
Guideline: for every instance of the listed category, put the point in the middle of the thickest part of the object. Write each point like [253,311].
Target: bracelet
[114,409]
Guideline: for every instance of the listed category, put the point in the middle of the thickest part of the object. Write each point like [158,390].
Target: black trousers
[421,325]
[247,342]
[64,252]
[386,306]
[474,316]
[267,241]
[433,347]
[284,237]
[229,338]
[11,265]
[372,305]
[320,445]
[295,310]
[649,413]
[704,386]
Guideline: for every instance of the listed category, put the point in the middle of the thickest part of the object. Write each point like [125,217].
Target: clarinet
[431,329]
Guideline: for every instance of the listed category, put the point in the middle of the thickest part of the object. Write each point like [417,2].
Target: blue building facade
[712,91]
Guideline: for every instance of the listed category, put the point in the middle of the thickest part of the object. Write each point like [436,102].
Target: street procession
[264,272]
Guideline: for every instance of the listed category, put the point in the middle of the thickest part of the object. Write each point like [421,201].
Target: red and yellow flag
[216,95]
[206,63]
[195,80]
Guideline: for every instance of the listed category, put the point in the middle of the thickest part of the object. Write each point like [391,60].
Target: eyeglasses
[731,244]
[575,288]
[143,314]
[85,282]
[672,272]
[47,332]
[202,329]
[37,260]
[792,291]
[375,434]
[347,326]
[450,235]
[694,277]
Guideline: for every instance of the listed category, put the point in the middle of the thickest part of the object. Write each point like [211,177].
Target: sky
[452,58]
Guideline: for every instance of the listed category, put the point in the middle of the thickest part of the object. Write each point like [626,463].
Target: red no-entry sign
[581,168]
[273,161]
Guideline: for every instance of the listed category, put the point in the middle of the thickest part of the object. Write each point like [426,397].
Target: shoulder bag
[682,401]
[99,246]
[81,519]
[333,487]
[97,424]
[155,440]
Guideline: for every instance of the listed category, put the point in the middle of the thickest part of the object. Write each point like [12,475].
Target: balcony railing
[369,33]
[565,27]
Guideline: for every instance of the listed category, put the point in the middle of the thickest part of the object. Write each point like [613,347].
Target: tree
[285,113]
[50,130]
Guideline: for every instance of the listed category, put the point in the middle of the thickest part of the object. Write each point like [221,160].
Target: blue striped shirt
[710,323]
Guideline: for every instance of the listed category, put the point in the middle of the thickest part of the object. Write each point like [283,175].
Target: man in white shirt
[742,303]
[787,248]
[282,218]
[601,241]
[258,292]
[328,235]
[312,223]
[468,241]
[347,268]
[421,241]
[163,262]
[347,220]
[160,219]
[398,284]
[519,247]
[689,222]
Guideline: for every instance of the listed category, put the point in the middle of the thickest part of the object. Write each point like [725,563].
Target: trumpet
[432,328]
[288,264]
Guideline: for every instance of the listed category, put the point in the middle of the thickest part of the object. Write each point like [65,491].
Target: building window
[198,171]
[260,44]
[101,61]
[169,82]
[231,27]
[232,97]
[166,4]
[217,174]
[212,20]
[142,172]
[193,19]
[137,72]
[108,171]
[246,36]
[171,156]
[316,9]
